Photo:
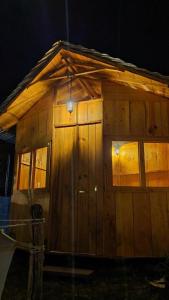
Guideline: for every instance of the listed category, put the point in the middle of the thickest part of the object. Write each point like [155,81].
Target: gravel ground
[118,280]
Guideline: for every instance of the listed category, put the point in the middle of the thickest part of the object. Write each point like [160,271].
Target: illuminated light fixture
[70,102]
[70,105]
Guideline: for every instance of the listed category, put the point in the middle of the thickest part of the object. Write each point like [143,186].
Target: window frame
[141,162]
[139,177]
[32,169]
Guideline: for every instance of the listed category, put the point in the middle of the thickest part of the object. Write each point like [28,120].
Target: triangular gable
[64,58]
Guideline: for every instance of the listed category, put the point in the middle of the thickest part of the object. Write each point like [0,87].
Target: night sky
[135,31]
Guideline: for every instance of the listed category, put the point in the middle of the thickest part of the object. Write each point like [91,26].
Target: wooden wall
[136,219]
[77,183]
[132,221]
[134,113]
[33,130]
[136,223]
[84,112]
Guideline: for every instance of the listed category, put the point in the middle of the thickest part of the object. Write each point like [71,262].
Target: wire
[67,20]
[22,220]
[72,161]
[18,225]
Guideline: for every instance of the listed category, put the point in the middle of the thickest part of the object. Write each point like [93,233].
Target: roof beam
[91,92]
[94,66]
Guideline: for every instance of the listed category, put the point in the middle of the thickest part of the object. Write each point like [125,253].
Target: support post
[35,277]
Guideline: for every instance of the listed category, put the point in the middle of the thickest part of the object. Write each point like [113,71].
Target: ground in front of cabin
[118,280]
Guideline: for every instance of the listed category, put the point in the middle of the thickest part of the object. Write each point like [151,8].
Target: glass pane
[26,158]
[41,158]
[156,164]
[40,168]
[40,179]
[24,171]
[125,164]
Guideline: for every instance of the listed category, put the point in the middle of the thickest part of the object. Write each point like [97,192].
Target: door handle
[81,191]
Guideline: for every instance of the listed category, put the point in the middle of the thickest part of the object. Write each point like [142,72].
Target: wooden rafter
[63,84]
[94,66]
[88,74]
[50,74]
[73,70]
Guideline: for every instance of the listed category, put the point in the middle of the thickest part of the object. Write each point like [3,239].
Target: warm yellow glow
[125,164]
[157,164]
[24,171]
[70,106]
[116,149]
[32,173]
[40,168]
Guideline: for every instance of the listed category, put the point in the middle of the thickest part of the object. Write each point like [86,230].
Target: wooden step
[68,271]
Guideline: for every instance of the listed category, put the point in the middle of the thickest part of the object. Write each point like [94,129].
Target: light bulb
[70,106]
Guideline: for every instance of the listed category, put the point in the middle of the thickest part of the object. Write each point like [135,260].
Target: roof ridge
[50,54]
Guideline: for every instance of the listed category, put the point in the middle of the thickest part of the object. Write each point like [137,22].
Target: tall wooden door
[77,190]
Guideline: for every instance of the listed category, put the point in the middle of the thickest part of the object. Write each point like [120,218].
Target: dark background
[6,168]
[136,31]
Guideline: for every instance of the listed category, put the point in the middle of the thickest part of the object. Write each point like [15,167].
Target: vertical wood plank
[75,191]
[99,183]
[82,112]
[137,115]
[124,224]
[142,164]
[55,207]
[165,118]
[142,225]
[121,110]
[63,117]
[61,215]
[66,230]
[92,194]
[107,116]
[109,225]
[158,119]
[95,111]
[42,123]
[120,118]
[160,223]
[107,148]
[153,113]
[83,188]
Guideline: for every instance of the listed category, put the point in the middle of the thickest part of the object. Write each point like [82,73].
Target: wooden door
[77,189]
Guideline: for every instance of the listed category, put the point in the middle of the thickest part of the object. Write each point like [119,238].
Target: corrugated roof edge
[56,47]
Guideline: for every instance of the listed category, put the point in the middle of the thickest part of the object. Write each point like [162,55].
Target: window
[157,164]
[25,165]
[32,171]
[140,164]
[40,168]
[125,164]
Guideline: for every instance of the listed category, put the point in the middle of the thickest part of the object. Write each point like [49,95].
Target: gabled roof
[81,50]
[50,68]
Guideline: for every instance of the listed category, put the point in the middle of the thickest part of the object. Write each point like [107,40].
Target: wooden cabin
[92,147]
